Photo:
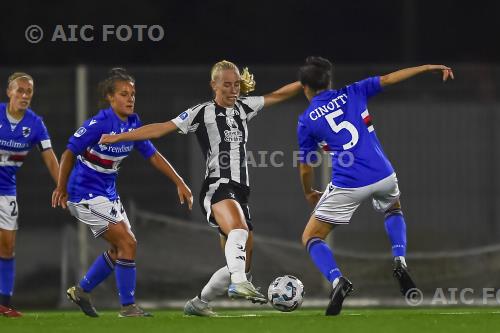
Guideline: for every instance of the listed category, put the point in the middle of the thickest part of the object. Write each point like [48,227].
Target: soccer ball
[286,293]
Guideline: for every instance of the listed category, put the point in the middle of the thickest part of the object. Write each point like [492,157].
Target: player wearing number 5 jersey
[339,121]
[20,130]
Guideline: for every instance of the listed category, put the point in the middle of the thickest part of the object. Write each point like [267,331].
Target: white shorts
[338,204]
[98,212]
[8,212]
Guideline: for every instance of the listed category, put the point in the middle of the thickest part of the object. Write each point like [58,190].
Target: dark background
[260,32]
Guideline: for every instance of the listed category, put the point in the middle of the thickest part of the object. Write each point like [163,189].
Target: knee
[394,210]
[240,225]
[127,245]
[113,253]
[236,225]
[305,239]
[6,251]
[306,236]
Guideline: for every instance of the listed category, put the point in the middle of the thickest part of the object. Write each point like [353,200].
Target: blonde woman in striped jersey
[221,128]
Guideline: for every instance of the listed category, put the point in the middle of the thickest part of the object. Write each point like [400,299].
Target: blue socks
[396,230]
[7,273]
[322,256]
[125,280]
[125,275]
[102,267]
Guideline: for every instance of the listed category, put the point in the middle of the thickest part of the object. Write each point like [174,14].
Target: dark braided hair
[108,85]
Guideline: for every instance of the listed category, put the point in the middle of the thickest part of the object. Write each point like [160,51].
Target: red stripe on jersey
[368,120]
[17,158]
[104,163]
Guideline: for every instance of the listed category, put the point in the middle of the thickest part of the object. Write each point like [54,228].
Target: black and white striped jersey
[222,134]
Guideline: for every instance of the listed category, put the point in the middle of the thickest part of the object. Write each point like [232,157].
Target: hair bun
[118,71]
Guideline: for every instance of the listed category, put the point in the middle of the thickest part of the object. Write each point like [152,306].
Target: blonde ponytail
[247,84]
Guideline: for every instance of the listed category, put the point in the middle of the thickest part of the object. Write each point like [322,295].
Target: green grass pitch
[262,321]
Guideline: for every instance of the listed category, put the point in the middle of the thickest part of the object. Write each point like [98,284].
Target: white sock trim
[335,282]
[402,259]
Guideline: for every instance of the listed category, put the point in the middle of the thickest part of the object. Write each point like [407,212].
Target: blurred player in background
[90,193]
[20,129]
[339,121]
[221,128]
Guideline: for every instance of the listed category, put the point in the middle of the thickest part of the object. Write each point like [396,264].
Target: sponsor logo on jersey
[233,135]
[103,147]
[26,131]
[120,149]
[231,123]
[81,131]
[13,144]
[92,122]
[232,112]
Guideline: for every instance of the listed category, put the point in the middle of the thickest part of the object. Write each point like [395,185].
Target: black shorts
[218,189]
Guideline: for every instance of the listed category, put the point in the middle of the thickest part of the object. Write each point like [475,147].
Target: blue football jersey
[96,168]
[338,121]
[15,144]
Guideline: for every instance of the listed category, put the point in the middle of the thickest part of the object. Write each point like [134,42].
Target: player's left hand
[185,195]
[447,71]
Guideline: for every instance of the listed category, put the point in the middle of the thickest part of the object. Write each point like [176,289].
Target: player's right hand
[313,197]
[107,139]
[59,198]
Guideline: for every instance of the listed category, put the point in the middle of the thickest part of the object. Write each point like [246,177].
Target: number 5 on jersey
[343,125]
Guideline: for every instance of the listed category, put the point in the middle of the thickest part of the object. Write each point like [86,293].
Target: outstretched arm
[60,194]
[151,131]
[406,73]
[50,160]
[282,94]
[307,180]
[161,164]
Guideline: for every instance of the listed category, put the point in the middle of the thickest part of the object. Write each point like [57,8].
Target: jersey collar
[322,95]
[109,111]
